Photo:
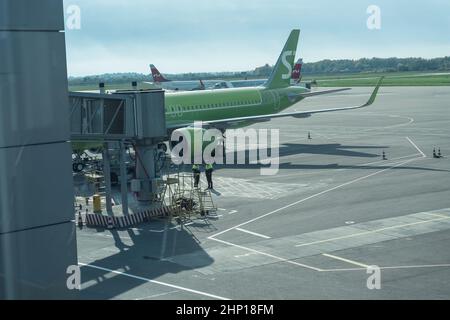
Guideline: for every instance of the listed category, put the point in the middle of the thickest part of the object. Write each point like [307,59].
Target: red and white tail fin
[157,76]
[296,75]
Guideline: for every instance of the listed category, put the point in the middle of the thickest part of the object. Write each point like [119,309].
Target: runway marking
[268,255]
[154,281]
[390,161]
[171,228]
[382,161]
[157,295]
[446,265]
[311,197]
[415,146]
[370,232]
[213,237]
[345,260]
[436,215]
[245,255]
[183,224]
[253,233]
[105,235]
[248,188]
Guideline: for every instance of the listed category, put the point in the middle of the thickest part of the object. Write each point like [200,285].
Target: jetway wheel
[78,166]
[163,147]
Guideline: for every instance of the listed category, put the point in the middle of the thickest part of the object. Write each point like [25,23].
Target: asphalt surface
[334,209]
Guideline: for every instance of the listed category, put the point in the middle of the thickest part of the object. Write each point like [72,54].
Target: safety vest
[209,166]
[195,167]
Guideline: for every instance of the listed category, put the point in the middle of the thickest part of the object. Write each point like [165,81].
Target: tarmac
[334,212]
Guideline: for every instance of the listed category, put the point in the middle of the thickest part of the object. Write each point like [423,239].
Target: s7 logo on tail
[287,64]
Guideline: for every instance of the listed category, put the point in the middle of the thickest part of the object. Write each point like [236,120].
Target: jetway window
[114,117]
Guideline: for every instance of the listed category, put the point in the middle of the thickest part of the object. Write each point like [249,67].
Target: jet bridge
[124,115]
[117,120]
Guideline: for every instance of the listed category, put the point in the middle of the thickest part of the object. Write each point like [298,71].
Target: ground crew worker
[208,171]
[196,172]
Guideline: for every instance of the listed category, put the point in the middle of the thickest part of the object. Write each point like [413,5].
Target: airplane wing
[318,93]
[224,123]
[296,114]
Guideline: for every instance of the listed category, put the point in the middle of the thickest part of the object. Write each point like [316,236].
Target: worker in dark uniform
[208,171]
[196,173]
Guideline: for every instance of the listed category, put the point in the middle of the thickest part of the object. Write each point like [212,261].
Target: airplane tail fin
[281,74]
[297,72]
[157,76]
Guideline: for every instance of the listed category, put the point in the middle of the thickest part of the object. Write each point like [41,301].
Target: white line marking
[353,166]
[268,255]
[158,295]
[253,233]
[232,211]
[371,231]
[345,260]
[415,146]
[158,231]
[106,235]
[311,197]
[393,267]
[154,281]
[245,255]
[183,224]
[171,228]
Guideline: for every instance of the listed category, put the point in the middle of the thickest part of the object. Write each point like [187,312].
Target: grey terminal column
[37,235]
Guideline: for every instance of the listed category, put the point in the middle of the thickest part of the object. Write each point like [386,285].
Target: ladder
[205,202]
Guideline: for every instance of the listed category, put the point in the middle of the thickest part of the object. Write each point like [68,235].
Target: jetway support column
[123,177]
[145,169]
[107,175]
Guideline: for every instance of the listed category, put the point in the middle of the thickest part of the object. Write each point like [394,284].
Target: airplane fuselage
[187,107]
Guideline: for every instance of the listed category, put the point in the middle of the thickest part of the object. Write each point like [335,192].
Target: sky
[181,36]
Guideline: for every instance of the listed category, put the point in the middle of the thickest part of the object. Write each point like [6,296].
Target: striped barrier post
[110,223]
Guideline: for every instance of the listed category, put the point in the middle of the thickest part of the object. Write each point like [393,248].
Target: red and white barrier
[110,222]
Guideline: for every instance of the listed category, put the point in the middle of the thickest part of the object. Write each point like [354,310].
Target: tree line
[332,67]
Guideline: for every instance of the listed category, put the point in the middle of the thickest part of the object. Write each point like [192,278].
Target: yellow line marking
[392,267]
[436,215]
[268,255]
[370,232]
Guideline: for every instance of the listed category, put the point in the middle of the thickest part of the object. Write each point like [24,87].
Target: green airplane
[238,107]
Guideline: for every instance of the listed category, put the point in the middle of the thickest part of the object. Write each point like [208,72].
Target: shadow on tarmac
[148,256]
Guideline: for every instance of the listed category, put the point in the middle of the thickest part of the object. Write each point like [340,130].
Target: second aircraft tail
[157,76]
